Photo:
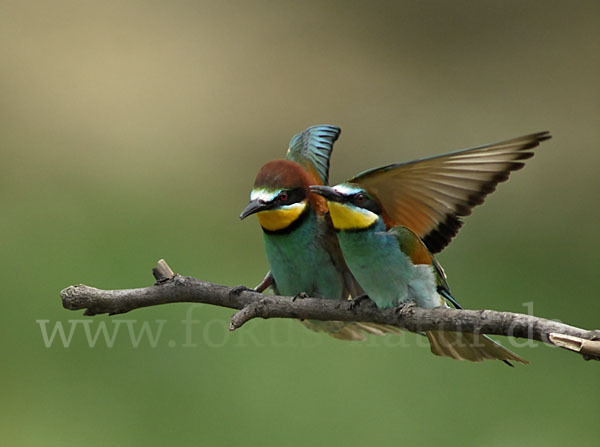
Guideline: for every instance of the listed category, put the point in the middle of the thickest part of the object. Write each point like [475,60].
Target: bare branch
[171,288]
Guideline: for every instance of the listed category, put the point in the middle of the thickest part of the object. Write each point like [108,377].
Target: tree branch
[171,288]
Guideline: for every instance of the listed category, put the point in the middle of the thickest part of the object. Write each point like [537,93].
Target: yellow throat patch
[349,218]
[274,220]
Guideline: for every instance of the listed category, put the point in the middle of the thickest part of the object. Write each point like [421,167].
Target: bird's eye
[360,197]
[283,196]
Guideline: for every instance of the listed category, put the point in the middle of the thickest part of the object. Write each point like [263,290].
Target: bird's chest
[386,274]
[299,262]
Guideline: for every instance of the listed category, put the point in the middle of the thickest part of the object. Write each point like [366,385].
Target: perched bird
[303,253]
[390,220]
[428,196]
[394,266]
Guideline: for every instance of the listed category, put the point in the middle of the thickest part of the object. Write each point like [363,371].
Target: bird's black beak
[328,192]
[255,206]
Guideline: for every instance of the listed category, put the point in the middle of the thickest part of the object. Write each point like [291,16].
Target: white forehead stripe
[346,189]
[263,194]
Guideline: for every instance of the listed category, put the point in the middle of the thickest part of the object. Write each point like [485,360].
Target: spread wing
[312,148]
[430,195]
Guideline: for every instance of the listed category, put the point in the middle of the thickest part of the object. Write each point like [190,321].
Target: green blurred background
[132,131]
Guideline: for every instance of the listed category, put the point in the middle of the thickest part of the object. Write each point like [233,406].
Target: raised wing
[312,148]
[430,195]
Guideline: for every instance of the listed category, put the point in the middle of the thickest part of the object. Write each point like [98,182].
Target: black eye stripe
[362,200]
[293,196]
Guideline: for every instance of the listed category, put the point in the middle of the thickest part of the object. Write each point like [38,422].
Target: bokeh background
[132,131]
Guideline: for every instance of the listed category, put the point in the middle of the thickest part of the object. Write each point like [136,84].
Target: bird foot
[300,295]
[236,291]
[403,307]
[356,302]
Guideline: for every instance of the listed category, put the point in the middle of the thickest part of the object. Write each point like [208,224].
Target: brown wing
[430,195]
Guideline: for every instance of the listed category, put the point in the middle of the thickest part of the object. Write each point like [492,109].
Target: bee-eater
[303,253]
[428,196]
[394,266]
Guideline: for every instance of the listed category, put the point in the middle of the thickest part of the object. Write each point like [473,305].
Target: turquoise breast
[385,272]
[300,262]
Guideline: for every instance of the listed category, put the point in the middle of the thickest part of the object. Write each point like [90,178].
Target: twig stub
[162,272]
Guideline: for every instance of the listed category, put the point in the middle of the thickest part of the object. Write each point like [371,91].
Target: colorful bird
[394,266]
[426,196]
[303,253]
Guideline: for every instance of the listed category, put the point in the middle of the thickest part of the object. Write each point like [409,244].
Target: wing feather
[430,195]
[312,148]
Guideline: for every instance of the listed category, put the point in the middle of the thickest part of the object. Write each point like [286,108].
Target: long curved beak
[254,206]
[328,192]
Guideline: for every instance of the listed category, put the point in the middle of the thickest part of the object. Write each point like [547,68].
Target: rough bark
[172,288]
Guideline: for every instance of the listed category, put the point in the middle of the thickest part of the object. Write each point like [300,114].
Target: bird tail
[343,330]
[471,347]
